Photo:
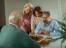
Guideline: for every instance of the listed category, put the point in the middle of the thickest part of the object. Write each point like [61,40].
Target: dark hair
[46,12]
[37,8]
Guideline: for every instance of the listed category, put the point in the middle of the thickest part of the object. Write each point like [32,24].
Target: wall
[49,5]
[11,5]
[63,3]
[56,7]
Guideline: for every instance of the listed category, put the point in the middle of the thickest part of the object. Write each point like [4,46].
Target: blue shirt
[52,27]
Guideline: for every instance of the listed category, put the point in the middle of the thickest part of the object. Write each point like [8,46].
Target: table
[56,44]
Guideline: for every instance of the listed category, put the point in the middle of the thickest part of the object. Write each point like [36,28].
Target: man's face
[45,17]
[27,10]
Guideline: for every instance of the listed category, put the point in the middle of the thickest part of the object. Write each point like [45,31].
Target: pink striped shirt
[26,24]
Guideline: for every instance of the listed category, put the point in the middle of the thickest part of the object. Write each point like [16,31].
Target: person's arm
[32,24]
[38,28]
[56,29]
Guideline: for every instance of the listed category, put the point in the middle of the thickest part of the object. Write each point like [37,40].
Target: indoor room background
[56,8]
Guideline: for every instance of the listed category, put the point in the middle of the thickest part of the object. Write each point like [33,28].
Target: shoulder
[33,16]
[53,21]
[4,27]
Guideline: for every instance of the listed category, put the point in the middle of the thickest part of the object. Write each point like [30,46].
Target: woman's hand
[32,31]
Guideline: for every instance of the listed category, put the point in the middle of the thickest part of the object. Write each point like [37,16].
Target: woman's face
[38,14]
[27,10]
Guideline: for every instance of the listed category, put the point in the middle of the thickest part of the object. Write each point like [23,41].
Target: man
[12,36]
[48,26]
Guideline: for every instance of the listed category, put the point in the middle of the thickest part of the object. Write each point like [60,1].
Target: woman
[26,15]
[36,18]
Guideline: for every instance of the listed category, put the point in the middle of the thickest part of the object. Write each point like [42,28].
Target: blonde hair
[14,16]
[28,4]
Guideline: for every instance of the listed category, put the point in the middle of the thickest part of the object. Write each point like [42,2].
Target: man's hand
[44,31]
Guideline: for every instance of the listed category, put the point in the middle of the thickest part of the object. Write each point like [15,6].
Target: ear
[10,20]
